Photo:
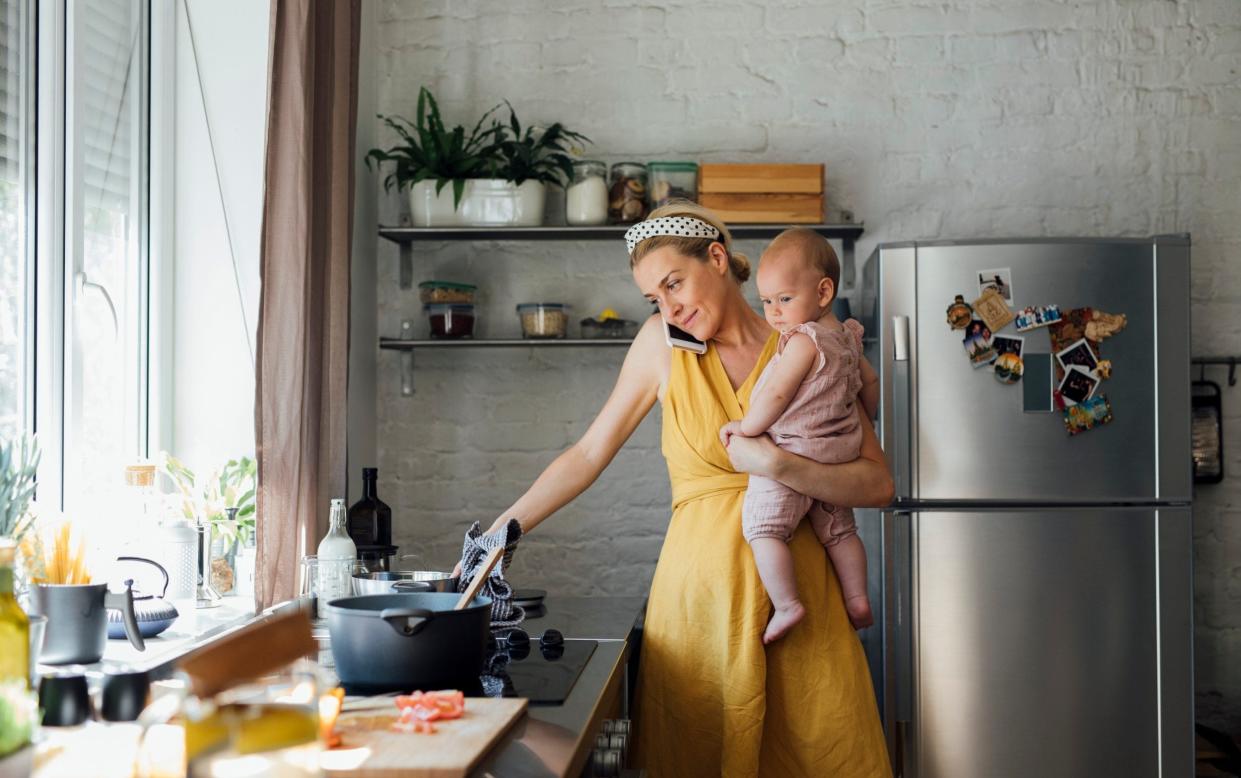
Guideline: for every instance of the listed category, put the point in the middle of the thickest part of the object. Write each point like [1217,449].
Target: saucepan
[404,581]
[401,642]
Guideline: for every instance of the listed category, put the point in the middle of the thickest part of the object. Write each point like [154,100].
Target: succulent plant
[19,465]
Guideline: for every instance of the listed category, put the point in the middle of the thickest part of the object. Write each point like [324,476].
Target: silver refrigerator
[1033,589]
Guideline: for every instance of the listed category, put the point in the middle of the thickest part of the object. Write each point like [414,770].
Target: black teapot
[154,613]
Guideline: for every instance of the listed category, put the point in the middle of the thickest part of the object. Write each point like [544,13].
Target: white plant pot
[428,209]
[494,202]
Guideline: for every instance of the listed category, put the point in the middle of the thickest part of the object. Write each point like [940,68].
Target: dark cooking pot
[401,642]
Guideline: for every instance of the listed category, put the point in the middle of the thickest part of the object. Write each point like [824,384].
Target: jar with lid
[627,193]
[673,181]
[586,199]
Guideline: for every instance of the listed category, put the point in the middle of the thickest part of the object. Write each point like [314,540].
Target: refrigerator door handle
[902,459]
[899,682]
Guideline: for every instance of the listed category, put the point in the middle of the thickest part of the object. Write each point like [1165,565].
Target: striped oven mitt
[504,614]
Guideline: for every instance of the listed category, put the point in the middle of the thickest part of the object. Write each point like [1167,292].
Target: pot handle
[406,586]
[125,604]
[406,621]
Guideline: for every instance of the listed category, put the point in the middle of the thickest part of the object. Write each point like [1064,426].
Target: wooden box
[763,194]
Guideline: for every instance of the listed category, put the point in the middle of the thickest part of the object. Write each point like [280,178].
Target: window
[15,186]
[105,246]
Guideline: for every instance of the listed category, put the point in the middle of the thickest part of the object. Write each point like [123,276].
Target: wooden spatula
[492,557]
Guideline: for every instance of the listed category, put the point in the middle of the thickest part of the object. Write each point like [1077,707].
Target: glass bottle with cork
[337,553]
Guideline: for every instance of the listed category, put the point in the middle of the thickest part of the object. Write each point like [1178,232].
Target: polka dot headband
[677,226]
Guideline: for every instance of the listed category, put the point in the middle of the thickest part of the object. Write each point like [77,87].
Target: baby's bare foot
[783,620]
[858,609]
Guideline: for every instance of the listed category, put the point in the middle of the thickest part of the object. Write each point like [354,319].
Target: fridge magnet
[1078,353]
[1104,325]
[1070,329]
[1036,316]
[977,343]
[1103,370]
[999,281]
[1077,386]
[1009,368]
[1088,415]
[992,309]
[960,313]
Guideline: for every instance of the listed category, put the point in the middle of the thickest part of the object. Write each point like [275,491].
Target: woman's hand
[756,456]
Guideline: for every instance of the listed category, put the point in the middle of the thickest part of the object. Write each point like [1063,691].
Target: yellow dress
[711,698]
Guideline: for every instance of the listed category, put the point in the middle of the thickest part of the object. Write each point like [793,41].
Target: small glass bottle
[14,626]
[336,554]
[673,181]
[627,193]
[586,199]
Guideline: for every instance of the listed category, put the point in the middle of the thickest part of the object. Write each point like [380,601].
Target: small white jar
[586,199]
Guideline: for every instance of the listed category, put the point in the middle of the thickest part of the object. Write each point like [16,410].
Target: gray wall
[936,120]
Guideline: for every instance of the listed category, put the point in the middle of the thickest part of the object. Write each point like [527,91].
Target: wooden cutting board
[369,749]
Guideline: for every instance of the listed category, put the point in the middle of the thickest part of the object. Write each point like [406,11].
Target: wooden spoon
[492,557]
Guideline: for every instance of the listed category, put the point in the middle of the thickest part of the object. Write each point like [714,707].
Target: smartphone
[679,338]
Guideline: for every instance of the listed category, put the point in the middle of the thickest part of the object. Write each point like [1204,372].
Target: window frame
[49,252]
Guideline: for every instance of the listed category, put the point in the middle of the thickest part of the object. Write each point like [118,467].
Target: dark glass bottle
[370,519]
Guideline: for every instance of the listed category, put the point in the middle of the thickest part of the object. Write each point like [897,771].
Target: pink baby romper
[820,423]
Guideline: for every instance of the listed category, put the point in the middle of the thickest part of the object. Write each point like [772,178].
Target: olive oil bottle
[14,626]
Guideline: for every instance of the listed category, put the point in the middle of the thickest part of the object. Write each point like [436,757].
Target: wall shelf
[404,344]
[405,237]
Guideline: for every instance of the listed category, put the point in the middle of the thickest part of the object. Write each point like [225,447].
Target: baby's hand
[728,430]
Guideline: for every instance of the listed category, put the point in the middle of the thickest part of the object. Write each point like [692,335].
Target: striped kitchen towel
[504,613]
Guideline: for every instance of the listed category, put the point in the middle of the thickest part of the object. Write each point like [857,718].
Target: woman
[712,700]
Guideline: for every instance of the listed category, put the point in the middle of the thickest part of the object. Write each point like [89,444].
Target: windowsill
[193,628]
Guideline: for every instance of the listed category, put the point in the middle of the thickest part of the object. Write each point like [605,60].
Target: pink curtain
[303,330]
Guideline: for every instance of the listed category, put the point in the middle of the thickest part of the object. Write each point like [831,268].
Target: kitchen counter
[555,741]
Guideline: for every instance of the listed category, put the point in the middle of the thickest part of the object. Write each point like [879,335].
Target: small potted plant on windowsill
[226,500]
[438,165]
[526,162]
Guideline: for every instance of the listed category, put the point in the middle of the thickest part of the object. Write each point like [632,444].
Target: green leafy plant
[235,485]
[431,151]
[534,153]
[18,710]
[19,465]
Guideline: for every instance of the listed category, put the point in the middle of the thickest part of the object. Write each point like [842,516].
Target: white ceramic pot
[494,202]
[428,209]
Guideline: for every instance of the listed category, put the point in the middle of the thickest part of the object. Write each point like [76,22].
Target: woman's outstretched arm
[865,482]
[633,396]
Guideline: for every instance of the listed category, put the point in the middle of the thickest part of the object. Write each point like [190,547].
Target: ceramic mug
[77,621]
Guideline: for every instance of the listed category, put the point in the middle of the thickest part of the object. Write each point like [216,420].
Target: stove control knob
[551,637]
[605,763]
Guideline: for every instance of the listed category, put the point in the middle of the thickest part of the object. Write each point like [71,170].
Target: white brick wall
[936,120]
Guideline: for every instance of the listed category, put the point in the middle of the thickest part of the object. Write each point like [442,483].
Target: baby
[805,399]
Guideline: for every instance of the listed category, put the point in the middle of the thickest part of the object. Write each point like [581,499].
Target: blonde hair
[812,248]
[698,248]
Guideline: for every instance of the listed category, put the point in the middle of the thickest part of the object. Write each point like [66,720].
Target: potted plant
[19,465]
[526,161]
[226,500]
[430,157]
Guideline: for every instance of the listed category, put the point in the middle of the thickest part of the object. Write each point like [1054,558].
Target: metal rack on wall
[1207,418]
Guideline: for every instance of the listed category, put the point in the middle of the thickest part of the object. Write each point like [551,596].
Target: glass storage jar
[450,320]
[673,181]
[543,320]
[586,199]
[627,193]
[446,292]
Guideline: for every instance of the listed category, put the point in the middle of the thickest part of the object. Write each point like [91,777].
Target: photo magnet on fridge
[999,281]
[992,309]
[1077,385]
[977,343]
[1087,415]
[1036,316]
[1009,366]
[1080,354]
